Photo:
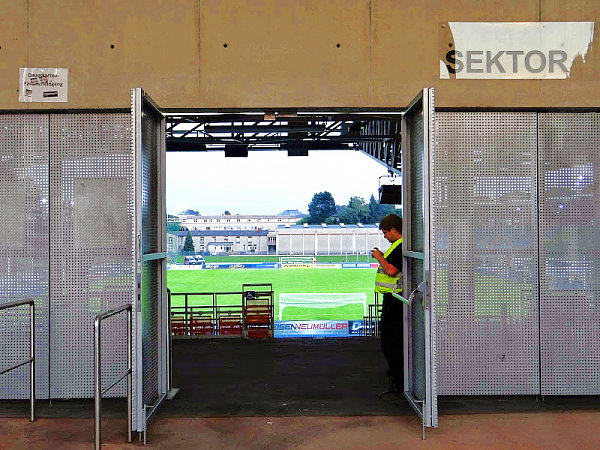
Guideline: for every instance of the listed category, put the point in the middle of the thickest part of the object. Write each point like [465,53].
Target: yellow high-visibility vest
[383,282]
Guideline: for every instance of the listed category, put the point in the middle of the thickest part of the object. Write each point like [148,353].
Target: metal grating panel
[417,312]
[150,228]
[416,185]
[91,260]
[484,253]
[417,354]
[150,326]
[24,249]
[569,191]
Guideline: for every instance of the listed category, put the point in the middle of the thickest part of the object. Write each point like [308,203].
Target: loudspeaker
[236,151]
[298,148]
[390,194]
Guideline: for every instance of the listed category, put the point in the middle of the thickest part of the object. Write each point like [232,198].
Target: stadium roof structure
[378,134]
[291,212]
[328,226]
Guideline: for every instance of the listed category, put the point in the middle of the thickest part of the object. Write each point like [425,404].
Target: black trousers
[392,337]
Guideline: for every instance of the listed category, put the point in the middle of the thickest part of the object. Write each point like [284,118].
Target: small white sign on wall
[43,84]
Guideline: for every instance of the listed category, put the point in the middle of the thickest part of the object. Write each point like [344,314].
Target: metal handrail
[31,360]
[98,373]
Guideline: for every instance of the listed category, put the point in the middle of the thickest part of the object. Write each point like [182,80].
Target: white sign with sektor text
[514,50]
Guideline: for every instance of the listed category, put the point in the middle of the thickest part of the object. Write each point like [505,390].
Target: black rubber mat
[283,377]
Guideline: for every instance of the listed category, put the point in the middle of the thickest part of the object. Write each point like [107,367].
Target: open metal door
[419,350]
[150,332]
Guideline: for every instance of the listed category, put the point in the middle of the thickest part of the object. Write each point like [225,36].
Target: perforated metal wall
[91,260]
[24,249]
[569,193]
[484,253]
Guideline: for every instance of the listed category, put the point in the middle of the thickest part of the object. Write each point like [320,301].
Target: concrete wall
[274,53]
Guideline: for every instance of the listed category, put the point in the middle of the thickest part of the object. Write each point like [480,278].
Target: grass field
[283,280]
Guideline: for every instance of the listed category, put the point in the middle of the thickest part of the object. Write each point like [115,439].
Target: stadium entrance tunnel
[293,376]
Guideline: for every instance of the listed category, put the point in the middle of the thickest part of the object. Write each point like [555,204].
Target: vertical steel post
[32,363]
[169,360]
[97,384]
[129,375]
[187,317]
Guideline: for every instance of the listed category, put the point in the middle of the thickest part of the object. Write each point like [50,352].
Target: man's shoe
[391,392]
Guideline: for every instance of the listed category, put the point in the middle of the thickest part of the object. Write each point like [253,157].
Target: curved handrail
[98,372]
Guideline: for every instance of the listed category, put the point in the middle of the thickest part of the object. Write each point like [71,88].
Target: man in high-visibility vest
[391,325]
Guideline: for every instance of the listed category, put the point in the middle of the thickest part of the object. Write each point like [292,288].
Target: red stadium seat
[201,326]
[230,325]
[258,318]
[178,326]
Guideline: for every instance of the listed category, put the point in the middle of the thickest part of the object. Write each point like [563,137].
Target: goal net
[321,300]
[297,261]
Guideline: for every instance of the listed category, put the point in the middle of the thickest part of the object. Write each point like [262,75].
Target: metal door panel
[150,332]
[419,345]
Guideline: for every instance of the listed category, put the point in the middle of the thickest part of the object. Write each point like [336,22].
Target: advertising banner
[246,265]
[318,328]
[328,266]
[360,265]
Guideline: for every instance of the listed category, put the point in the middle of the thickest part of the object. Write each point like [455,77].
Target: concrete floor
[541,430]
[302,394]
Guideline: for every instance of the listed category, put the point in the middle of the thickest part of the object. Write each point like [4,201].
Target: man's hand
[377,254]
[387,267]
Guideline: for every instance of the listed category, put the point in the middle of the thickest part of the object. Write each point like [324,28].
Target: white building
[327,239]
[285,240]
[237,222]
[216,242]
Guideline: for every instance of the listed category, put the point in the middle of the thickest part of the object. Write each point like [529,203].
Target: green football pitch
[283,281]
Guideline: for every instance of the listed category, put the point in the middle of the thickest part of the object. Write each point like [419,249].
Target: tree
[227,213]
[356,211]
[321,207]
[378,211]
[173,226]
[188,245]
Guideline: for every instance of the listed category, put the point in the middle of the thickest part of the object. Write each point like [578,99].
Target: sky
[266,182]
